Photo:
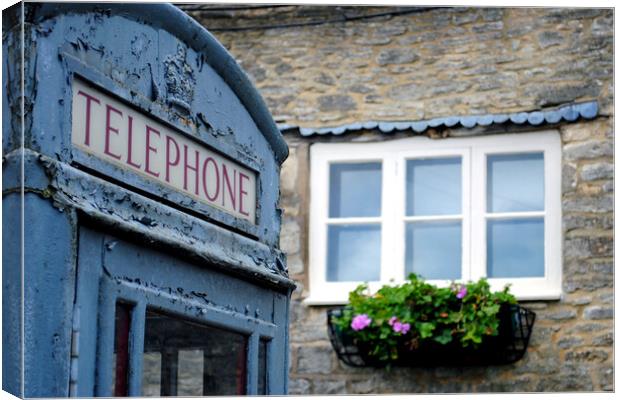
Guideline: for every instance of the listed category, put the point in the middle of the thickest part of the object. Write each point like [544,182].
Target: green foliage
[440,315]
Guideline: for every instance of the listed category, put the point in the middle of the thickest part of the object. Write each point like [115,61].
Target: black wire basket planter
[508,346]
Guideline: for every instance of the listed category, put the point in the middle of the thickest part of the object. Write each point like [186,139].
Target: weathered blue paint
[11,295]
[95,233]
[50,252]
[567,112]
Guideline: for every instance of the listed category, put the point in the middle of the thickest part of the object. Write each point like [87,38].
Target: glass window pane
[516,248]
[194,359]
[120,372]
[434,186]
[433,249]
[355,190]
[151,374]
[262,367]
[515,182]
[190,372]
[353,252]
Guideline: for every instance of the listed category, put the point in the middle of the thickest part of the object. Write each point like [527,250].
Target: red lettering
[186,167]
[242,192]
[108,129]
[231,190]
[89,98]
[150,149]
[130,142]
[170,139]
[204,179]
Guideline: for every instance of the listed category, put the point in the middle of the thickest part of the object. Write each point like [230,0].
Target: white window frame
[393,156]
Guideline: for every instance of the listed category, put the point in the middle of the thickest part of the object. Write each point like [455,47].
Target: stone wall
[438,63]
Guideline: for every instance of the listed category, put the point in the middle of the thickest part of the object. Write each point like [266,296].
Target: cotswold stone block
[603,267]
[337,102]
[365,386]
[411,91]
[578,221]
[581,301]
[283,68]
[588,283]
[577,380]
[559,315]
[310,333]
[586,328]
[606,378]
[314,360]
[591,172]
[587,356]
[549,38]
[603,340]
[329,387]
[488,27]
[397,56]
[298,386]
[289,173]
[373,40]
[569,342]
[583,247]
[587,150]
[325,79]
[464,17]
[569,177]
[551,95]
[588,204]
[289,237]
[492,14]
[595,312]
[295,265]
[522,384]
[359,88]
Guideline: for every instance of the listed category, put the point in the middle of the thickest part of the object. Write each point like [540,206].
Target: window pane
[262,367]
[515,248]
[190,372]
[433,249]
[355,190]
[353,252]
[151,374]
[434,186]
[120,366]
[515,182]
[191,359]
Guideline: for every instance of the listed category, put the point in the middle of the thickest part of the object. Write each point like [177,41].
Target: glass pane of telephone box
[184,358]
[120,357]
[262,367]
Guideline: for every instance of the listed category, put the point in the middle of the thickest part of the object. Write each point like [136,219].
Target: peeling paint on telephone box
[149,195]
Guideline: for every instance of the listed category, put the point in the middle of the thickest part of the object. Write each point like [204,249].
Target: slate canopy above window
[454,209]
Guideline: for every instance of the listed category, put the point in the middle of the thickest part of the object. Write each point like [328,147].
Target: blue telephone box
[140,209]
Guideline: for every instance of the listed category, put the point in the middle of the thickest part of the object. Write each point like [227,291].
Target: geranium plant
[408,315]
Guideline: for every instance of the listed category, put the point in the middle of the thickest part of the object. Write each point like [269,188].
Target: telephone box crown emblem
[180,79]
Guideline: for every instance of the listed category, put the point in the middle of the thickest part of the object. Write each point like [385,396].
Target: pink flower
[360,322]
[462,292]
[392,321]
[400,327]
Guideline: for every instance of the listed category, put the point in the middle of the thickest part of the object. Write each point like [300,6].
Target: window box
[509,346]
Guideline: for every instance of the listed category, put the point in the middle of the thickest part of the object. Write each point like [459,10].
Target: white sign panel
[114,132]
